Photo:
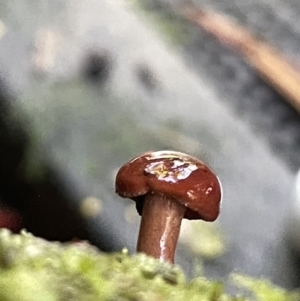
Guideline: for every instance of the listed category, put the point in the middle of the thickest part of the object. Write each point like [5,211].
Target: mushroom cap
[178,175]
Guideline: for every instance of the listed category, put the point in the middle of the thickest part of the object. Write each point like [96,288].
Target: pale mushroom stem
[160,226]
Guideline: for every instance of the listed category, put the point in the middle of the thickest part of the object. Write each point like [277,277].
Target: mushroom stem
[160,226]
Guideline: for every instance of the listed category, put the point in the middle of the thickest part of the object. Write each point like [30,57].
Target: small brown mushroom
[168,186]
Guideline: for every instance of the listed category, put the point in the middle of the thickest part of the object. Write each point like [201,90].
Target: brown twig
[272,66]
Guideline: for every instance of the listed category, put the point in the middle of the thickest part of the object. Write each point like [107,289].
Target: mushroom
[168,186]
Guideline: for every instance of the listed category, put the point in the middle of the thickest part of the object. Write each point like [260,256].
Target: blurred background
[87,85]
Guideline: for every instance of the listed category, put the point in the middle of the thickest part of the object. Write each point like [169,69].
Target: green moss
[210,245]
[51,271]
[263,290]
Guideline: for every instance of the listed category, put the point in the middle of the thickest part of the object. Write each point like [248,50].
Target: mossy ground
[33,269]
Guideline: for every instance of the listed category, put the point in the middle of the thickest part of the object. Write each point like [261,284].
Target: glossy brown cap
[175,174]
